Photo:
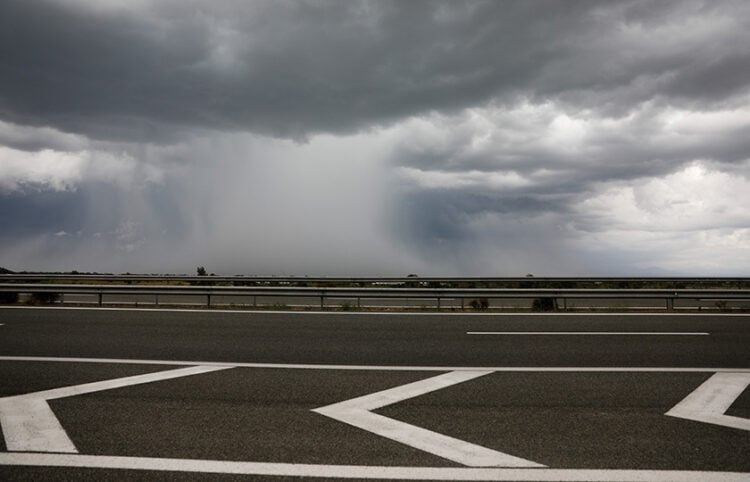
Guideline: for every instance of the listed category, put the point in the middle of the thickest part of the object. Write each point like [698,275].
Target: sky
[376,138]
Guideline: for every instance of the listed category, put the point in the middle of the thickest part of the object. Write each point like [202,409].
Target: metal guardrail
[323,294]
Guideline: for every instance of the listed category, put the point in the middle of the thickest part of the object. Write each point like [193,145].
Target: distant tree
[202,271]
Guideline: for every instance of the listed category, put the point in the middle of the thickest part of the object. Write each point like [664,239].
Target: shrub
[8,297]
[723,305]
[44,297]
[544,304]
[480,304]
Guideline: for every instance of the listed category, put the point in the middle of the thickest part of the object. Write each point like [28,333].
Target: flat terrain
[179,394]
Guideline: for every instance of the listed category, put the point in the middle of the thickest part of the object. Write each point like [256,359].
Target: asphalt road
[586,399]
[370,339]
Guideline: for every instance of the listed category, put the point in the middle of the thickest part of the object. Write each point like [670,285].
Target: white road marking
[357,412]
[362,471]
[406,368]
[371,313]
[712,399]
[29,424]
[587,333]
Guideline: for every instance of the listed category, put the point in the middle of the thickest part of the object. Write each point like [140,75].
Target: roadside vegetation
[203,278]
[44,298]
[8,298]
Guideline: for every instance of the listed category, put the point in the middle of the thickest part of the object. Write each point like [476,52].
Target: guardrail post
[100,298]
[156,299]
[438,302]
[670,304]
[208,300]
[322,299]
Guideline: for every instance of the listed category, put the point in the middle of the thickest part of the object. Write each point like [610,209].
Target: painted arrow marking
[712,399]
[30,425]
[358,412]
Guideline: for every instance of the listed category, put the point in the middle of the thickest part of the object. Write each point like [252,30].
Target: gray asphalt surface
[608,420]
[370,339]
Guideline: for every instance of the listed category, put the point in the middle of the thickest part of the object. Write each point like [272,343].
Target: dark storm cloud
[44,212]
[441,215]
[92,208]
[98,226]
[442,137]
[294,68]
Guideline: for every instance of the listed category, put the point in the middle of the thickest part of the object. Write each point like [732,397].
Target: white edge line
[370,313]
[360,471]
[294,366]
[587,333]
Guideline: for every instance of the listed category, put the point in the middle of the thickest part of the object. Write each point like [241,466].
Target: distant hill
[5,271]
